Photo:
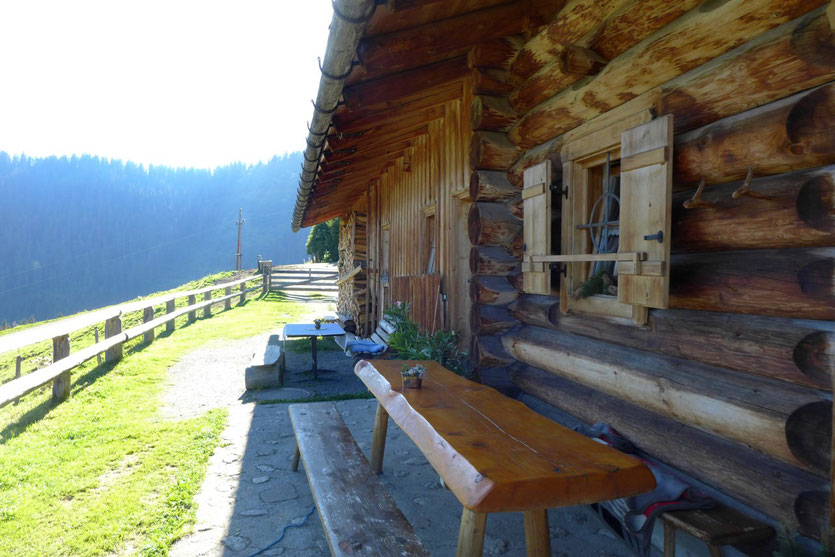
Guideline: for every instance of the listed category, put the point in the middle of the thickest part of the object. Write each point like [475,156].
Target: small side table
[296,330]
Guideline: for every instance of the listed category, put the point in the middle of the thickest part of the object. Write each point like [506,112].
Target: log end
[816,201]
[813,356]
[809,434]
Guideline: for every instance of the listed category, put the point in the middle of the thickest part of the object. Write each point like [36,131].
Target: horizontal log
[488,351]
[785,211]
[492,151]
[491,224]
[492,291]
[746,409]
[536,309]
[424,44]
[491,185]
[492,261]
[499,378]
[784,283]
[795,350]
[405,84]
[490,320]
[497,53]
[790,134]
[687,43]
[633,21]
[791,496]
[490,81]
[573,22]
[492,113]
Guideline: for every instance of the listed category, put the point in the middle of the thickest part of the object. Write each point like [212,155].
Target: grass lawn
[104,472]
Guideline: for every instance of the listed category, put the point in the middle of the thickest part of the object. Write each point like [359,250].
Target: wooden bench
[379,336]
[718,526]
[266,369]
[358,514]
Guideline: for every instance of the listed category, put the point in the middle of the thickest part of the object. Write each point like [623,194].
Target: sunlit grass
[103,471]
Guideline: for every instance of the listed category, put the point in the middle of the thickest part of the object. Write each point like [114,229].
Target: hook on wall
[745,188]
[696,200]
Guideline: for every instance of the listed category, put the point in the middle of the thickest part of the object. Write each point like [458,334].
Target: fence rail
[63,362]
[305,280]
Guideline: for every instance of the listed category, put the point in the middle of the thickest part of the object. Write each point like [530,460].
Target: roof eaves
[347,27]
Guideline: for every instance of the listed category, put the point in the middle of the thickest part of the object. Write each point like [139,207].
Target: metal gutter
[347,28]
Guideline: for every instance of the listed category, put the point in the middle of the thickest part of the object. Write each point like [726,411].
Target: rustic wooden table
[309,330]
[494,453]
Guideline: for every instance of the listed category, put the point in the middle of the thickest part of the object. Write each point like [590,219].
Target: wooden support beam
[747,409]
[207,311]
[113,327]
[706,34]
[797,499]
[360,118]
[169,308]
[490,81]
[148,315]
[61,384]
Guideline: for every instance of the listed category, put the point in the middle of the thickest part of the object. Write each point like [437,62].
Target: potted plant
[317,323]
[412,375]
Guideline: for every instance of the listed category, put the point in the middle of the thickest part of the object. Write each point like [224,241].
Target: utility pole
[240,224]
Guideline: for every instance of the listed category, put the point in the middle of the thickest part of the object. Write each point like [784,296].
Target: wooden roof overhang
[389,68]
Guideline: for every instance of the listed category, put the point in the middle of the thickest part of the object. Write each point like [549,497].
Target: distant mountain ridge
[85,232]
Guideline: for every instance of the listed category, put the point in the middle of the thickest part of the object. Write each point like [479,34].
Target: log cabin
[626,209]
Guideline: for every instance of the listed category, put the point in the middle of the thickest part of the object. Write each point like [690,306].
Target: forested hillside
[83,232]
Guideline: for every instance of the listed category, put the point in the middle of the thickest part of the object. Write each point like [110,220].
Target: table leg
[315,357]
[378,442]
[537,534]
[669,540]
[471,534]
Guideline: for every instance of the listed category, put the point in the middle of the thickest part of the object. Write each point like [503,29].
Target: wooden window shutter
[645,208]
[536,197]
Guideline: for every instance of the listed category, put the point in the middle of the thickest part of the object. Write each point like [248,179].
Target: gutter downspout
[347,28]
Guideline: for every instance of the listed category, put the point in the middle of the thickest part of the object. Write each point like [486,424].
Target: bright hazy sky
[175,82]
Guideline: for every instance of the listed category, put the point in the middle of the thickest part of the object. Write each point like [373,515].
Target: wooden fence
[59,331]
[424,293]
[300,279]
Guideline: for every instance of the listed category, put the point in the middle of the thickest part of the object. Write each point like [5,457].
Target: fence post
[243,293]
[192,315]
[169,308]
[207,311]
[227,304]
[113,327]
[267,270]
[148,315]
[61,384]
[96,335]
[17,363]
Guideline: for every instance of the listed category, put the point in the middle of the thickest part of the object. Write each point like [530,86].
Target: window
[615,221]
[428,240]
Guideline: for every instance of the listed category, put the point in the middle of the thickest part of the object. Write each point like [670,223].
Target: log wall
[732,383]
